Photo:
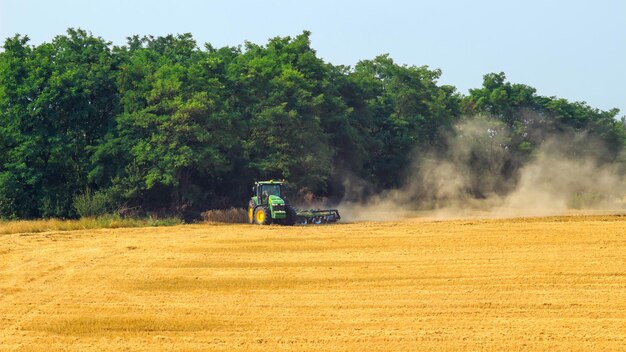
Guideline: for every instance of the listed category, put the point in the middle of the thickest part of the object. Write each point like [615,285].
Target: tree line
[160,124]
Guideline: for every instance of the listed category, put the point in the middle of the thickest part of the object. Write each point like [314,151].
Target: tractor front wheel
[251,213]
[262,216]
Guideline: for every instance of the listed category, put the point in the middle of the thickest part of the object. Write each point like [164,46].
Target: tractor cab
[264,190]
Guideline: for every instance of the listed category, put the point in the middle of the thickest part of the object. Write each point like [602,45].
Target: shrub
[231,216]
[91,204]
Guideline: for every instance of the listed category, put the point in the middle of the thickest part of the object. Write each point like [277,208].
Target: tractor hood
[276,200]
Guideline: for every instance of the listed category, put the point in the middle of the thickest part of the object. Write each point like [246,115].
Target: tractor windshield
[270,190]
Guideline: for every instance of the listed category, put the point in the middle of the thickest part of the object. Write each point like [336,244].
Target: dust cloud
[477,176]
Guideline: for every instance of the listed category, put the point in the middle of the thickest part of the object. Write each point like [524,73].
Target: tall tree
[173,137]
[282,99]
[410,113]
[57,103]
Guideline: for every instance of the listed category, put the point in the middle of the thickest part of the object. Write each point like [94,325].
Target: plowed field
[544,284]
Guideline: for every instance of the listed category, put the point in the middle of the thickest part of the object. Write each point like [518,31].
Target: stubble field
[556,283]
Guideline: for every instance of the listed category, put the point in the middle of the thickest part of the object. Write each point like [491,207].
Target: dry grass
[539,284]
[45,225]
[121,324]
[226,216]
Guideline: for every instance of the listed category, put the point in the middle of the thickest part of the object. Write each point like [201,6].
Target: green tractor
[268,205]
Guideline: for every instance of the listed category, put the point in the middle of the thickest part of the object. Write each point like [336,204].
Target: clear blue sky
[571,49]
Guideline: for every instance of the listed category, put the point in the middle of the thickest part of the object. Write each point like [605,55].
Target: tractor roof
[270,182]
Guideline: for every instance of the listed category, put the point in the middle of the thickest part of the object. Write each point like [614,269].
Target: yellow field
[523,284]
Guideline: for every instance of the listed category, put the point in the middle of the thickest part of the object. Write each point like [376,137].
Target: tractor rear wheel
[262,216]
[291,216]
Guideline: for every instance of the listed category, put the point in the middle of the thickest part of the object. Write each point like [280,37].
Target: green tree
[57,101]
[409,111]
[282,98]
[172,141]
[532,119]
